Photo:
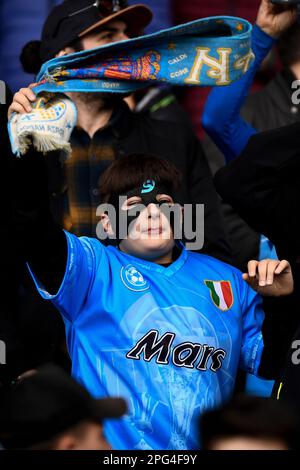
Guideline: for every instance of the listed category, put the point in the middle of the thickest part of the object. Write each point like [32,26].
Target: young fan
[145,318]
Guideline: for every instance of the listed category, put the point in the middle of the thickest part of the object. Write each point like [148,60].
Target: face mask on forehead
[147,192]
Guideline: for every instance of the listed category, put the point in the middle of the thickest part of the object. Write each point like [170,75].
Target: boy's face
[150,235]
[146,218]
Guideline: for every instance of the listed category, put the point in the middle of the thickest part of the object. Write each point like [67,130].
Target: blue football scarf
[208,52]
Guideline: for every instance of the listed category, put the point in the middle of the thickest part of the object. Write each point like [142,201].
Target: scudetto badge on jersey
[133,279]
[221,294]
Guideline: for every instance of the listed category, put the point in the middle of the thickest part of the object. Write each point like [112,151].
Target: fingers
[251,277]
[22,101]
[284,265]
[271,268]
[248,279]
[264,271]
[28,92]
[15,108]
[252,266]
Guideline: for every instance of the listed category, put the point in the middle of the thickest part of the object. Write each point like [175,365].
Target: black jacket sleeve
[263,186]
[41,241]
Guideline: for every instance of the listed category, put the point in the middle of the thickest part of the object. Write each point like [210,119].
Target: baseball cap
[47,403]
[75,18]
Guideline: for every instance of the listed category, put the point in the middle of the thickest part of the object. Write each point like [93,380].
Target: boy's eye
[165,200]
[132,203]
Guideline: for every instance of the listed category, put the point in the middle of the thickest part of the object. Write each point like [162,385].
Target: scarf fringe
[42,143]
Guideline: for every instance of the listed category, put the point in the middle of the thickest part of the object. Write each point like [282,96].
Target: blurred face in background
[86,436]
[112,32]
[248,443]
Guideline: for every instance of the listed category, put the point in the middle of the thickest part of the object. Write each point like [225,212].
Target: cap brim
[136,17]
[109,408]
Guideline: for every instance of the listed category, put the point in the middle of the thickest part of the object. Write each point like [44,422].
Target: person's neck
[166,258]
[93,113]
[295,68]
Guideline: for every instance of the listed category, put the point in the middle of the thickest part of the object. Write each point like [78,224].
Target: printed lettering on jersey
[190,355]
[221,294]
[133,279]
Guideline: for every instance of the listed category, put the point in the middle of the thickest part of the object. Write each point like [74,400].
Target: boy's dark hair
[251,416]
[132,171]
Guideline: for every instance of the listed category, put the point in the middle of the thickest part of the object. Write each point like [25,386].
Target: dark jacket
[272,107]
[263,185]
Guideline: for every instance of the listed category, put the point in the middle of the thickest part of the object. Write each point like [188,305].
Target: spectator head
[77,25]
[147,185]
[250,423]
[48,410]
[288,46]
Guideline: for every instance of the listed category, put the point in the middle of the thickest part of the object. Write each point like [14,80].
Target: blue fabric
[259,387]
[111,301]
[267,249]
[221,117]
[190,54]
[256,385]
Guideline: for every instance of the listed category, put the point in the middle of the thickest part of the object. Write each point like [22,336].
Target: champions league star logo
[133,279]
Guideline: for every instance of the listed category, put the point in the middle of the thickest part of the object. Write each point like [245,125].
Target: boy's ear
[106,224]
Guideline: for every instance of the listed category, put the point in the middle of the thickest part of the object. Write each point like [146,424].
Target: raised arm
[221,118]
[41,241]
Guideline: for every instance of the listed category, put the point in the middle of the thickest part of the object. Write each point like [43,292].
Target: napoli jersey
[168,340]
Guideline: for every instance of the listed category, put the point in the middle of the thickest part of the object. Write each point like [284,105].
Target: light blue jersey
[169,340]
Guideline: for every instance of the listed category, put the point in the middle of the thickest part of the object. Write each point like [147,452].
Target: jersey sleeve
[252,338]
[82,262]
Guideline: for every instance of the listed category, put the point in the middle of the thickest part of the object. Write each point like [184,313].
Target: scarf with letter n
[207,52]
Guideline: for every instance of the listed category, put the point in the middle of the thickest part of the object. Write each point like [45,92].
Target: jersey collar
[150,266]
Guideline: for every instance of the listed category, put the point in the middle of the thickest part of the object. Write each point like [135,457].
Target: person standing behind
[267,109]
[262,185]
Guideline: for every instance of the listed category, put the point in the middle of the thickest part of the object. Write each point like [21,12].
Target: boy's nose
[153,210]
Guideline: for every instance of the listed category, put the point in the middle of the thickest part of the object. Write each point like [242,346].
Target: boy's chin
[154,247]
